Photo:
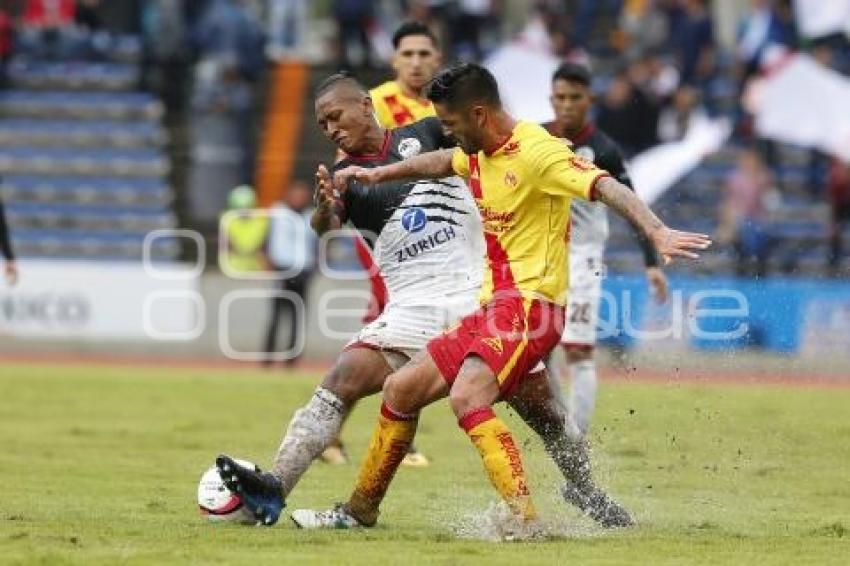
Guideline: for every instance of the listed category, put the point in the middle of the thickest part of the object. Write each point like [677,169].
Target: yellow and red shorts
[511,334]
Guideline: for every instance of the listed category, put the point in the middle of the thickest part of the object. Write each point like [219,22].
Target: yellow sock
[391,438]
[501,458]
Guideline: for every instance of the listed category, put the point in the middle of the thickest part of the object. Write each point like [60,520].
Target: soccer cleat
[596,504]
[260,491]
[336,518]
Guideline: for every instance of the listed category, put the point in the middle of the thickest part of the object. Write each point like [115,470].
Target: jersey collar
[380,156]
[584,134]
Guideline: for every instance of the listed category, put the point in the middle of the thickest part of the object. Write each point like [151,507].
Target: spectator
[743,214]
[663,77]
[628,116]
[244,234]
[838,186]
[48,30]
[693,41]
[221,135]
[681,115]
[6,32]
[760,29]
[466,38]
[354,18]
[87,15]
[287,25]
[227,29]
[165,32]
[292,252]
[586,14]
[11,268]
[644,26]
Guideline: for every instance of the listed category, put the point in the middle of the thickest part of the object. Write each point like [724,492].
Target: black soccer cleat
[597,505]
[260,491]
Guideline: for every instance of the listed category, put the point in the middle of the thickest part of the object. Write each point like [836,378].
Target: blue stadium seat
[28,74]
[90,245]
[83,161]
[80,104]
[83,189]
[120,219]
[76,133]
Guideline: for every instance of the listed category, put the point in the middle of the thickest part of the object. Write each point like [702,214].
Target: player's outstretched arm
[430,165]
[324,217]
[669,243]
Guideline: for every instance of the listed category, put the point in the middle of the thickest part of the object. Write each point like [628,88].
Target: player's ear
[479,114]
[368,107]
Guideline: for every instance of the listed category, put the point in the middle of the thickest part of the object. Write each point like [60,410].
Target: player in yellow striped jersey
[416,60]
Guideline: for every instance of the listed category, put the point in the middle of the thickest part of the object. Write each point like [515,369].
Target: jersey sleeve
[562,172]
[460,163]
[613,162]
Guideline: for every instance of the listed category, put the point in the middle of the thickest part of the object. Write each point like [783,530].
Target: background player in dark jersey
[11,268]
[572,100]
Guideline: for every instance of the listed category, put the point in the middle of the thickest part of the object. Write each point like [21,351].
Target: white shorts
[402,331]
[586,273]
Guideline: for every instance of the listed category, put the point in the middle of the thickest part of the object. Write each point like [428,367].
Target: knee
[400,393]
[343,384]
[462,400]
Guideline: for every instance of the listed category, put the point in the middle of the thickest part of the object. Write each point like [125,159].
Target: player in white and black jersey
[428,244]
[571,101]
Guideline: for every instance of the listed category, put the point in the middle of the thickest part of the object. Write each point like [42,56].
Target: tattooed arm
[430,165]
[669,243]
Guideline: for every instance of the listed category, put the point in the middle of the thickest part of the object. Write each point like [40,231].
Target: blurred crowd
[660,69]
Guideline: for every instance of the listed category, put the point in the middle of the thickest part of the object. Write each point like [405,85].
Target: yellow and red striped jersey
[394,108]
[523,190]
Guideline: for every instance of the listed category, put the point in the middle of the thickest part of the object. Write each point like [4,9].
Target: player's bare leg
[359,372]
[538,406]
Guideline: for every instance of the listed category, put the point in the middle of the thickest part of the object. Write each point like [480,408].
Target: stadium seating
[82,163]
[797,226]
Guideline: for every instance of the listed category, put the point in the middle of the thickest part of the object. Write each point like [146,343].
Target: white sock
[582,393]
[311,430]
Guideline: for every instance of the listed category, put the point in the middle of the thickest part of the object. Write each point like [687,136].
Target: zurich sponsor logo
[414,219]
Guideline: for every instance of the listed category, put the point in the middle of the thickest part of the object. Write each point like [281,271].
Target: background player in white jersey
[572,100]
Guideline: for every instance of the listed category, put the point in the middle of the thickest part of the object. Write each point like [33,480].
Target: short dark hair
[573,73]
[336,79]
[464,84]
[412,28]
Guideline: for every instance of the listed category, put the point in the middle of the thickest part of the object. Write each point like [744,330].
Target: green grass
[99,465]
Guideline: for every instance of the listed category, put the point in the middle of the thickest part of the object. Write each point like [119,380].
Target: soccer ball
[217,503]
